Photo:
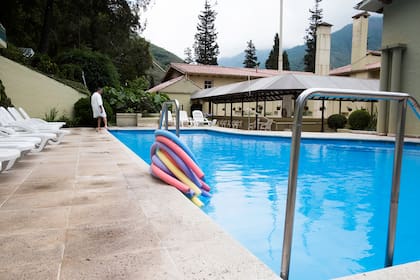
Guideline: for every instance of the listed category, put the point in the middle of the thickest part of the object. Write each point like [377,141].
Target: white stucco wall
[36,93]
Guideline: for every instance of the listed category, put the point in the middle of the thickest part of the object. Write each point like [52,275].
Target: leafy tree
[205,46]
[98,68]
[314,20]
[106,26]
[272,61]
[251,60]
[133,59]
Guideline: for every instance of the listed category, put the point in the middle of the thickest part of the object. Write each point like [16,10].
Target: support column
[382,120]
[394,110]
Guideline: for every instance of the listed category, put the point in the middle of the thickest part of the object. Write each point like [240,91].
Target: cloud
[172,24]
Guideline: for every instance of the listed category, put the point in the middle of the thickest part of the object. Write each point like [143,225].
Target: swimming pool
[341,206]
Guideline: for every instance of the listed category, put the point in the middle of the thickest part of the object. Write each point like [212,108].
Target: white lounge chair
[27,117]
[184,119]
[170,118]
[23,147]
[199,118]
[6,120]
[39,139]
[37,123]
[8,157]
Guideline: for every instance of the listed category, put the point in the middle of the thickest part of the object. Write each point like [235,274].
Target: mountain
[161,60]
[340,48]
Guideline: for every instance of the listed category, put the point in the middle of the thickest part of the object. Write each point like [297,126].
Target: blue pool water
[342,201]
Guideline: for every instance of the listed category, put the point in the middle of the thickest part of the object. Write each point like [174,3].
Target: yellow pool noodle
[197,201]
[177,172]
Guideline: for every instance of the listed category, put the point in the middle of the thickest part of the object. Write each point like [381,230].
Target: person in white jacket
[98,108]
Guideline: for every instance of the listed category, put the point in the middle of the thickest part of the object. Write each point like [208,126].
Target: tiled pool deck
[88,209]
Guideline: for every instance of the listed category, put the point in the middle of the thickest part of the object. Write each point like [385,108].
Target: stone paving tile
[36,184]
[31,248]
[6,189]
[38,271]
[102,213]
[24,220]
[101,182]
[39,200]
[217,259]
[104,240]
[100,195]
[146,264]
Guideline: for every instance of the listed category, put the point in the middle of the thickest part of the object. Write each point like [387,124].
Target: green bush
[4,100]
[13,53]
[359,119]
[98,68]
[134,98]
[71,72]
[336,121]
[44,63]
[83,113]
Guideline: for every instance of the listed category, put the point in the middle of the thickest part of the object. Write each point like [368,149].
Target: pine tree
[286,64]
[314,20]
[251,60]
[272,61]
[188,56]
[205,47]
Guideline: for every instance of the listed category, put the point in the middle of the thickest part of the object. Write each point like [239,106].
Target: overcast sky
[171,24]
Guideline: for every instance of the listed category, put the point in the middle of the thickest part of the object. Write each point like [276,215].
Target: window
[208,84]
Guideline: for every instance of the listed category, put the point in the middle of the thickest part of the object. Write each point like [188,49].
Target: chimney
[359,39]
[323,49]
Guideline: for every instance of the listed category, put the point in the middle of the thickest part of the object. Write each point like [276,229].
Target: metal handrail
[165,113]
[402,99]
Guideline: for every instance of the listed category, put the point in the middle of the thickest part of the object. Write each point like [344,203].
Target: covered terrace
[285,88]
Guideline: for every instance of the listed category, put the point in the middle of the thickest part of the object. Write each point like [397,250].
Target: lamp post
[280,59]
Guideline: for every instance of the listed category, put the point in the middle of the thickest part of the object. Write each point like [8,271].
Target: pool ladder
[402,99]
[164,115]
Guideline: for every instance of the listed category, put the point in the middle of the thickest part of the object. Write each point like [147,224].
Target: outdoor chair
[41,121]
[199,118]
[266,125]
[8,157]
[184,119]
[36,123]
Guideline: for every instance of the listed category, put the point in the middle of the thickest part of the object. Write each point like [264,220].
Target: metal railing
[164,115]
[402,99]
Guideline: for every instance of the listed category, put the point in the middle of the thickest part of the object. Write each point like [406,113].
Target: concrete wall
[36,93]
[400,26]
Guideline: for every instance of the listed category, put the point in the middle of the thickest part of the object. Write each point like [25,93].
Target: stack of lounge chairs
[21,134]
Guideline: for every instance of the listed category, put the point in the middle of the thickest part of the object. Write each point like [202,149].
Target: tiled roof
[347,69]
[200,69]
[163,85]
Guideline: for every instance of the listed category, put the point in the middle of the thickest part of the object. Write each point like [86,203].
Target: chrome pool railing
[164,114]
[402,99]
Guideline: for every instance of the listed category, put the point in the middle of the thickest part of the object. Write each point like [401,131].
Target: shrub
[44,63]
[13,53]
[71,72]
[336,121]
[134,98]
[83,113]
[4,100]
[359,119]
